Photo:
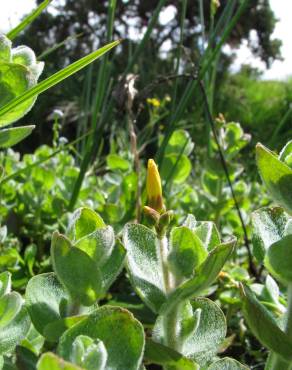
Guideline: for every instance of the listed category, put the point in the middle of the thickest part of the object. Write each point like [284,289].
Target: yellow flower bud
[153,187]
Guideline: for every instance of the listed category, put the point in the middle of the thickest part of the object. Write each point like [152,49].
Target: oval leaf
[276,175]
[187,251]
[46,300]
[279,259]
[121,334]
[75,270]
[264,326]
[144,264]
[268,227]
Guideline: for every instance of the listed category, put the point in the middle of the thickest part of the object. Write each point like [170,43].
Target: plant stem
[163,249]
[171,318]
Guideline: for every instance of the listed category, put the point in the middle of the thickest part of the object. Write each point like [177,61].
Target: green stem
[170,320]
[163,255]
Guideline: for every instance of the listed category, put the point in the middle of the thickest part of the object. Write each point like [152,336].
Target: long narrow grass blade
[27,20]
[47,52]
[57,77]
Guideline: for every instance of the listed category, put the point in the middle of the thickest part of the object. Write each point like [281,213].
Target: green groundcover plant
[105,286]
[167,266]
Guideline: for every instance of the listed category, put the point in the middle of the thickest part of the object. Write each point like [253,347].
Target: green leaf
[205,276]
[27,20]
[180,142]
[10,305]
[15,80]
[208,233]
[49,361]
[175,168]
[156,353]
[98,245]
[144,264]
[84,221]
[116,162]
[209,334]
[121,334]
[9,108]
[75,270]
[268,227]
[276,175]
[46,300]
[89,353]
[264,326]
[5,283]
[190,222]
[113,266]
[187,251]
[227,364]
[286,154]
[54,330]
[14,331]
[235,139]
[12,136]
[278,259]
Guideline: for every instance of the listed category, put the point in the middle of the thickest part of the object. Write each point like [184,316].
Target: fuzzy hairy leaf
[46,300]
[268,227]
[276,175]
[278,259]
[121,334]
[76,270]
[264,326]
[144,264]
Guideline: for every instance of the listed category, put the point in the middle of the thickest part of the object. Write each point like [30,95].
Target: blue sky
[12,10]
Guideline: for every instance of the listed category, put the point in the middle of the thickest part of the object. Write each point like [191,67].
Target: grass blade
[57,77]
[27,20]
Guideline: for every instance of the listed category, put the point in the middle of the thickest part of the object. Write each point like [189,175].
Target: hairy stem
[163,249]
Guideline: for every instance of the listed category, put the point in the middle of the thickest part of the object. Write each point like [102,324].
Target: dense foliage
[111,261]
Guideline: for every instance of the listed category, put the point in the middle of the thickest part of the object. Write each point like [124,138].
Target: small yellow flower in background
[153,187]
[153,101]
